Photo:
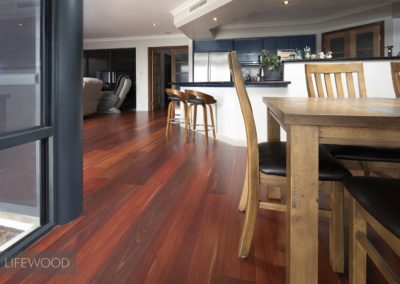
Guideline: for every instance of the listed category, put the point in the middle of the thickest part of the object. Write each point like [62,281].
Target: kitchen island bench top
[262,84]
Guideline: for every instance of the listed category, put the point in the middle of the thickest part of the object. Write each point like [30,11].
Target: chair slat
[350,85]
[328,85]
[339,85]
[320,88]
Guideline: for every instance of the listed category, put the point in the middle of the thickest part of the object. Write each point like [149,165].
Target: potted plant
[271,65]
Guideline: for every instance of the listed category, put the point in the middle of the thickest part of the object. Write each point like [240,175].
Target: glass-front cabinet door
[25,126]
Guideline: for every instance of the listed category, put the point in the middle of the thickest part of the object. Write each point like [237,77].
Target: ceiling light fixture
[286,2]
[215,19]
[154,25]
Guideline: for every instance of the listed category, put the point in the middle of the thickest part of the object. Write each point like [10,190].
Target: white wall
[141,44]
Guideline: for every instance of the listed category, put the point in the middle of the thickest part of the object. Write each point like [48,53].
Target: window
[24,122]
[360,41]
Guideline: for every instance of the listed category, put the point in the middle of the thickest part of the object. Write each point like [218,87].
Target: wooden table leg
[273,135]
[302,205]
[273,129]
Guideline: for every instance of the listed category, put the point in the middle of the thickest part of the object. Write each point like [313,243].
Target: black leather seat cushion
[364,153]
[379,197]
[196,101]
[273,162]
[174,98]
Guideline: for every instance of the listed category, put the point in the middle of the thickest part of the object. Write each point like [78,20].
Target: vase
[273,75]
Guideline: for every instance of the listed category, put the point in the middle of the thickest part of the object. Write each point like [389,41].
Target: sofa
[91,94]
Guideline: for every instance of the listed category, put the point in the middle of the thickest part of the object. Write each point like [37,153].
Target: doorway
[166,65]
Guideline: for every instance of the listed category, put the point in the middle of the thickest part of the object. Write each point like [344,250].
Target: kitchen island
[229,121]
[228,116]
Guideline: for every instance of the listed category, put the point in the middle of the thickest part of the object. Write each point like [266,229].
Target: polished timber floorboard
[159,210]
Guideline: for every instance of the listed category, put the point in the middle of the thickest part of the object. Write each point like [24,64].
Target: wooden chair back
[395,67]
[174,92]
[250,126]
[207,98]
[322,74]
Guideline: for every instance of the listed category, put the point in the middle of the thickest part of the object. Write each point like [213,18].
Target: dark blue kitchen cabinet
[270,43]
[282,42]
[294,42]
[248,50]
[289,42]
[213,45]
[310,41]
[247,45]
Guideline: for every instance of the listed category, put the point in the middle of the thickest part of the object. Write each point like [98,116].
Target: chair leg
[336,230]
[172,115]
[212,120]
[205,123]
[187,123]
[245,191]
[168,119]
[250,215]
[194,117]
[357,255]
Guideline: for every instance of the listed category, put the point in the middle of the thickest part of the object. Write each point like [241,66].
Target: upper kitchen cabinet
[248,50]
[359,41]
[289,42]
[213,45]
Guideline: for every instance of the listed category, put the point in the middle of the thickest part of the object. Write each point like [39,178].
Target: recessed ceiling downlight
[215,19]
[286,2]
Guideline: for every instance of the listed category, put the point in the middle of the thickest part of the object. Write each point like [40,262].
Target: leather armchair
[111,101]
[91,94]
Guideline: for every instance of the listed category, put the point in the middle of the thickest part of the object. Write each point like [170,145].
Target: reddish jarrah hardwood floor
[159,210]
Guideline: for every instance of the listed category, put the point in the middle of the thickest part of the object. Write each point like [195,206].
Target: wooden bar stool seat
[175,97]
[198,98]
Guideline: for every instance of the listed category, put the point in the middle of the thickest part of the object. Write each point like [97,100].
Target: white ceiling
[128,18]
[135,18]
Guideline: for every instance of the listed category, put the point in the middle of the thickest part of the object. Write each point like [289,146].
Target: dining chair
[175,96]
[266,164]
[395,68]
[373,201]
[319,79]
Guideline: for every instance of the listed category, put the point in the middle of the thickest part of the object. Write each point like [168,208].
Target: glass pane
[20,169]
[365,41]
[183,77]
[365,53]
[181,56]
[337,45]
[182,67]
[19,65]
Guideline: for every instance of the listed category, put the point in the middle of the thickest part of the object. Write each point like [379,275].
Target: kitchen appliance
[211,67]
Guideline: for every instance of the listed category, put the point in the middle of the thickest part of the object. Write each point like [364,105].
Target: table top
[370,112]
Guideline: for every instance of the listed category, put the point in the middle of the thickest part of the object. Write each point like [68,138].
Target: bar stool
[176,96]
[199,98]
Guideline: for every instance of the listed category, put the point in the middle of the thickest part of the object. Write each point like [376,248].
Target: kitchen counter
[262,84]
[342,59]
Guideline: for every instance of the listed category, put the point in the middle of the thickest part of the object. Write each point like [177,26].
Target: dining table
[309,122]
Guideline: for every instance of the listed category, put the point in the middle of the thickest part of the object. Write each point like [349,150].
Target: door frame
[150,69]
